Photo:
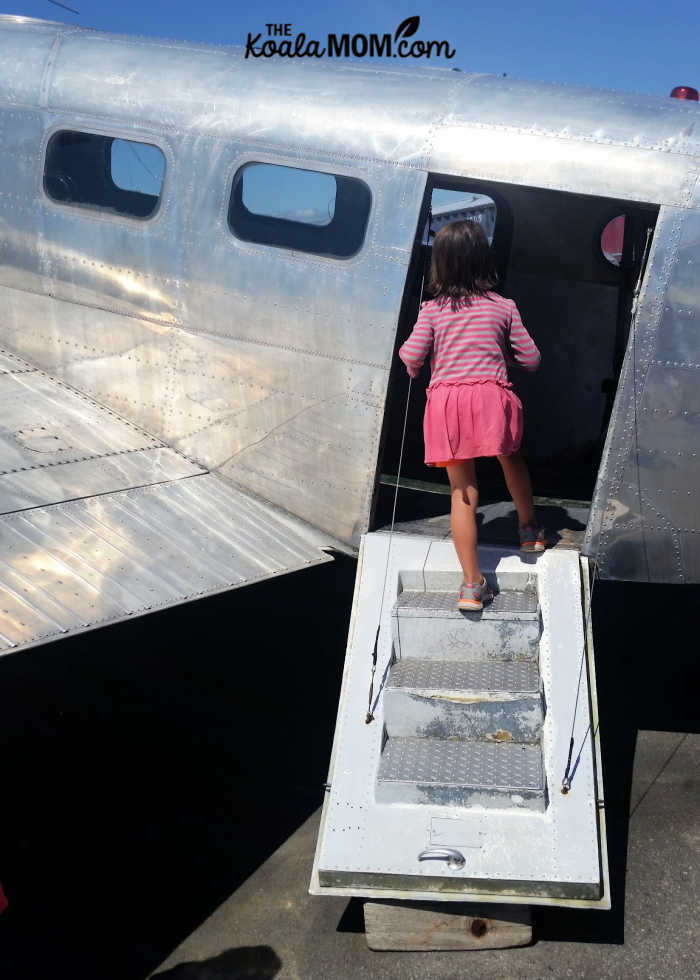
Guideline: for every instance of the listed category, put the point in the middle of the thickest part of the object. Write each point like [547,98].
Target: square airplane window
[447,206]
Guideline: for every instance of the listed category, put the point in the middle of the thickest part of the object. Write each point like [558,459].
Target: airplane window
[612,239]
[103,172]
[305,210]
[447,206]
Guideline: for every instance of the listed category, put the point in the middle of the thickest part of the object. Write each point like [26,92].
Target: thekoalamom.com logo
[279,42]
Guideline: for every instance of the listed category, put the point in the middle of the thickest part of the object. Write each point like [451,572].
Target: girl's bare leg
[465,497]
[519,486]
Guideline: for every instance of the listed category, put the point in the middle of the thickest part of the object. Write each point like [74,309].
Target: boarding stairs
[463,704]
[455,791]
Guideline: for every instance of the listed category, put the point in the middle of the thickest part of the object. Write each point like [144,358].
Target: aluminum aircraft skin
[188,407]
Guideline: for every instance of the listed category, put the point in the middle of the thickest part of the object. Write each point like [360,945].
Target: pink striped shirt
[475,342]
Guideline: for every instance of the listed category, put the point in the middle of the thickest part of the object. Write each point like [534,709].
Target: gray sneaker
[474,596]
[532,538]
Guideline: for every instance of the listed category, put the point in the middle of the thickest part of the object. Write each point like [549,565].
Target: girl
[471,408]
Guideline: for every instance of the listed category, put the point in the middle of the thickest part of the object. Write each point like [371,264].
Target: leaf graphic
[407,27]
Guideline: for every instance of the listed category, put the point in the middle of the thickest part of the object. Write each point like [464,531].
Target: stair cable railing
[370,706]
[569,772]
[369,718]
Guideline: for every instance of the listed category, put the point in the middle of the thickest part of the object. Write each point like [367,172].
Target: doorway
[571,262]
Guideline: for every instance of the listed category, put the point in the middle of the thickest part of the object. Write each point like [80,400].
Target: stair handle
[455,859]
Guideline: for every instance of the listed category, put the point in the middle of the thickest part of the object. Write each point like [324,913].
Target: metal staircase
[463,705]
[454,791]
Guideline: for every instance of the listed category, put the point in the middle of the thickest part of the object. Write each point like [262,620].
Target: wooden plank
[446,925]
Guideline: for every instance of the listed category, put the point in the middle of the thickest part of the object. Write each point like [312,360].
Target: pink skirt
[466,419]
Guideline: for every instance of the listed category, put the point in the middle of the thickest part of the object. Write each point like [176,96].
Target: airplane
[200,390]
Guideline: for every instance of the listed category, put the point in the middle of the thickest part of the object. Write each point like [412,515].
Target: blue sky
[641,47]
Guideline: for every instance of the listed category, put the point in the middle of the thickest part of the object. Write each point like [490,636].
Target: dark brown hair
[462,265]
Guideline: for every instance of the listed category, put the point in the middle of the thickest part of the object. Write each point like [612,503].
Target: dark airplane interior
[575,301]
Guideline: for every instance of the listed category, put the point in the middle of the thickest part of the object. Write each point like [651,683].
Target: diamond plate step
[448,699]
[428,625]
[456,773]
[508,604]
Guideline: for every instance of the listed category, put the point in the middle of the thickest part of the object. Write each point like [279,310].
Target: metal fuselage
[270,366]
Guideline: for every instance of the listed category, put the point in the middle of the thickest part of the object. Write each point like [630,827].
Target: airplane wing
[101,521]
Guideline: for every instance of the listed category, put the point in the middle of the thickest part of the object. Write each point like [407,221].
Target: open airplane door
[480,776]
